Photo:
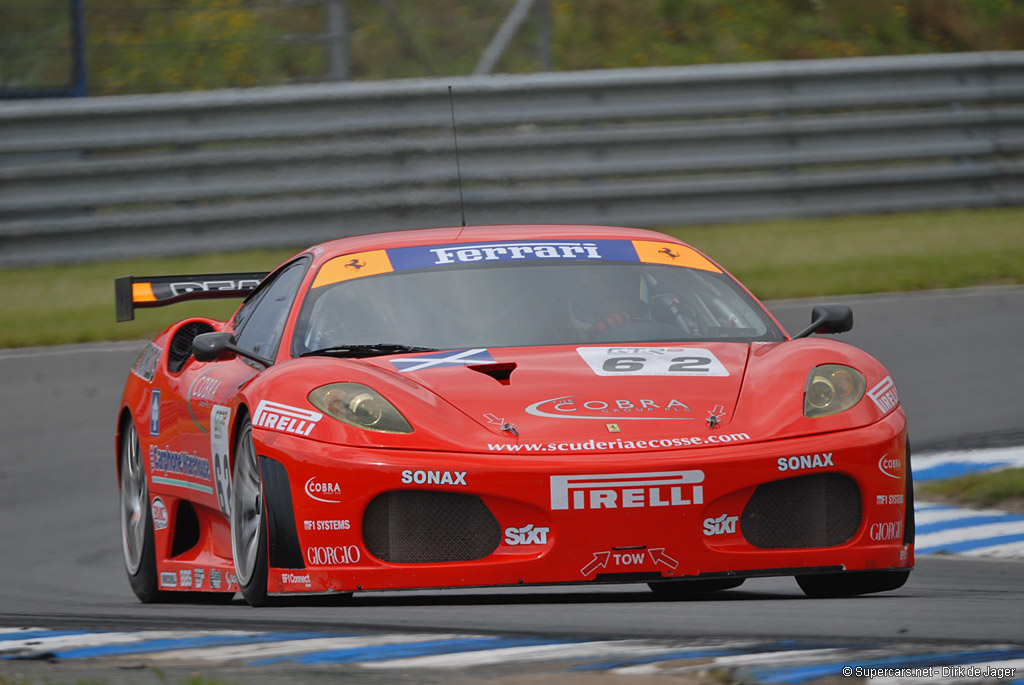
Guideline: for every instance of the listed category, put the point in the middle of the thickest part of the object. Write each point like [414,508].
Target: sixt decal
[722,525]
[527,535]
[284,418]
[652,361]
[627,490]
[884,395]
[569,407]
[434,477]
[805,461]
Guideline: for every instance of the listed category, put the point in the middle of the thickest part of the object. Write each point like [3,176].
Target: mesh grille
[424,526]
[820,510]
[180,348]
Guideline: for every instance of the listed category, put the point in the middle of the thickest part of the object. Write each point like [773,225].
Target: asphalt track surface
[956,358]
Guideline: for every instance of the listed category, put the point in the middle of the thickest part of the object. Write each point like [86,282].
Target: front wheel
[137,542]
[851,583]
[248,523]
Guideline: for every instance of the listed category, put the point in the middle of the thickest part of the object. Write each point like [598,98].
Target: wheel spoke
[246,507]
[134,500]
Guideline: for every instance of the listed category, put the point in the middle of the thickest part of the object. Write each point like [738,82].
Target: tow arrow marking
[658,556]
[600,561]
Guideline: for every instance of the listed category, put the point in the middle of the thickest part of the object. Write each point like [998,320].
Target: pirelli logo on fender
[284,418]
[627,490]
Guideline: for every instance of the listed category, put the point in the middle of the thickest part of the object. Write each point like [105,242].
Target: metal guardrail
[174,174]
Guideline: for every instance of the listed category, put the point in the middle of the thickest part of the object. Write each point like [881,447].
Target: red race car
[504,405]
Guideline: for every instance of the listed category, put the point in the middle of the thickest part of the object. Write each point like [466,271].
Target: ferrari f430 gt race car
[503,405]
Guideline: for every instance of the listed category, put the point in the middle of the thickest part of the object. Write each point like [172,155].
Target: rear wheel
[248,523]
[681,589]
[137,544]
[851,583]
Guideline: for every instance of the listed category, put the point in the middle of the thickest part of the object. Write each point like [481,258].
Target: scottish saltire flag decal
[444,359]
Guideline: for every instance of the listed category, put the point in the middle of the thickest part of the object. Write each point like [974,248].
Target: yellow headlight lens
[831,389]
[359,406]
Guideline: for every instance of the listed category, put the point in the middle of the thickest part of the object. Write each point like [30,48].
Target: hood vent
[500,371]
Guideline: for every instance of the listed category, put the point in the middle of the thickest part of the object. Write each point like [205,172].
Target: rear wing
[132,292]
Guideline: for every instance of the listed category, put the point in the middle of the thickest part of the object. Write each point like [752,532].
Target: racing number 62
[676,364]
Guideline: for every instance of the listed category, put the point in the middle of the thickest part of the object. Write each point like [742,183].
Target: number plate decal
[652,361]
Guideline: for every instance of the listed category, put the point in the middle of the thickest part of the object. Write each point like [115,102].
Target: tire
[248,522]
[138,547]
[681,589]
[851,583]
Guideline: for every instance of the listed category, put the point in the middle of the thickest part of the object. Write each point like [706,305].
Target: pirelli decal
[438,256]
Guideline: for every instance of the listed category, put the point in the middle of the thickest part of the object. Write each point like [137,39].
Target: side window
[259,324]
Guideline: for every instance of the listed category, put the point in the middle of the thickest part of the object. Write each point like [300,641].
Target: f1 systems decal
[567,407]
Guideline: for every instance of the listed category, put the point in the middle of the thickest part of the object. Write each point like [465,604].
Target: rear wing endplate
[132,292]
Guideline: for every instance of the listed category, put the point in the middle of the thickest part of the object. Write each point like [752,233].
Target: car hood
[579,393]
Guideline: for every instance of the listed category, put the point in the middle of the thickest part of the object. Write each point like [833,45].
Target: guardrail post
[337,40]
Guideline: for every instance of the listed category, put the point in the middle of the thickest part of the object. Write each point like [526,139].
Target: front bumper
[345,519]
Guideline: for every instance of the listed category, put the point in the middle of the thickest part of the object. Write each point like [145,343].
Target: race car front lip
[519,493]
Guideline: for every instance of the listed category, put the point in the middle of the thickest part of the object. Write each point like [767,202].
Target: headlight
[831,389]
[359,406]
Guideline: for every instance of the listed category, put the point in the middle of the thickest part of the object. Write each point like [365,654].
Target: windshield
[512,304]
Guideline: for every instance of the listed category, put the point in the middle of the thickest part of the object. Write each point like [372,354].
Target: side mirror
[211,347]
[828,319]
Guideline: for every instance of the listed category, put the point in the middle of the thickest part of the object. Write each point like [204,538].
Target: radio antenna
[458,169]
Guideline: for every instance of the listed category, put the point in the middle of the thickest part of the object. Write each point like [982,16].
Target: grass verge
[1003,489]
[777,259]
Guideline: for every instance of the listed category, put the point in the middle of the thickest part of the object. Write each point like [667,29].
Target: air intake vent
[180,348]
[424,526]
[820,510]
